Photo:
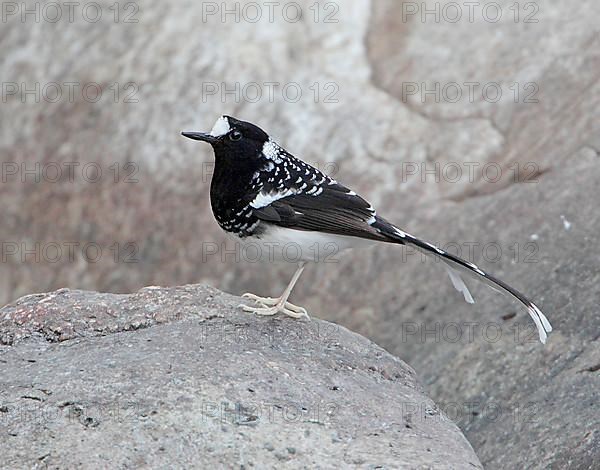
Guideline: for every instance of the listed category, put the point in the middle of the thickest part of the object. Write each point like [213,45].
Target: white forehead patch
[221,127]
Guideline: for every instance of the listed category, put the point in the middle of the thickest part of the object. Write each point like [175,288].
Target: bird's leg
[271,306]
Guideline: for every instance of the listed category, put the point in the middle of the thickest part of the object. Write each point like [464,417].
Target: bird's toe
[265,301]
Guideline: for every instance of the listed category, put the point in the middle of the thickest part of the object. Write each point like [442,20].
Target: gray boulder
[179,377]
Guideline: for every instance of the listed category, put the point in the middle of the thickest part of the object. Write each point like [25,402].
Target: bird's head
[232,138]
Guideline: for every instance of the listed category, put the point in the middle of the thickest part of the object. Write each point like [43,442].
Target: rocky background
[480,133]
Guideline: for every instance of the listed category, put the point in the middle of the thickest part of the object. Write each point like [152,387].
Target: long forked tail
[455,265]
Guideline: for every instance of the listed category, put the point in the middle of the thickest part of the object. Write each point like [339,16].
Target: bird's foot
[264,301]
[270,306]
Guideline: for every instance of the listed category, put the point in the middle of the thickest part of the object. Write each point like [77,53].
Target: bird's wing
[293,194]
[329,208]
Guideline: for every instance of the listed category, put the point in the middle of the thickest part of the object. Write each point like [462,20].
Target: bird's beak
[200,136]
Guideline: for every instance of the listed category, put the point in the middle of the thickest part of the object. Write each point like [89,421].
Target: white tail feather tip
[459,285]
[541,322]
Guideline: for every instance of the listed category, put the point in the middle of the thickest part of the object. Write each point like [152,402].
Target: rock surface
[179,377]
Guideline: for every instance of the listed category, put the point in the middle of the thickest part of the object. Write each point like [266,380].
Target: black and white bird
[261,194]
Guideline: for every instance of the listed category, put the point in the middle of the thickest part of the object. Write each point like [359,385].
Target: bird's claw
[270,306]
[266,301]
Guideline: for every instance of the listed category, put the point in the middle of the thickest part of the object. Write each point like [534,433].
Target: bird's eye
[235,136]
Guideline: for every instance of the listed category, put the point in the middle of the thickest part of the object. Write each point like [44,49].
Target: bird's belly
[293,246]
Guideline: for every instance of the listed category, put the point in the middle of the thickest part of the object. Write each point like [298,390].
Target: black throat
[232,190]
